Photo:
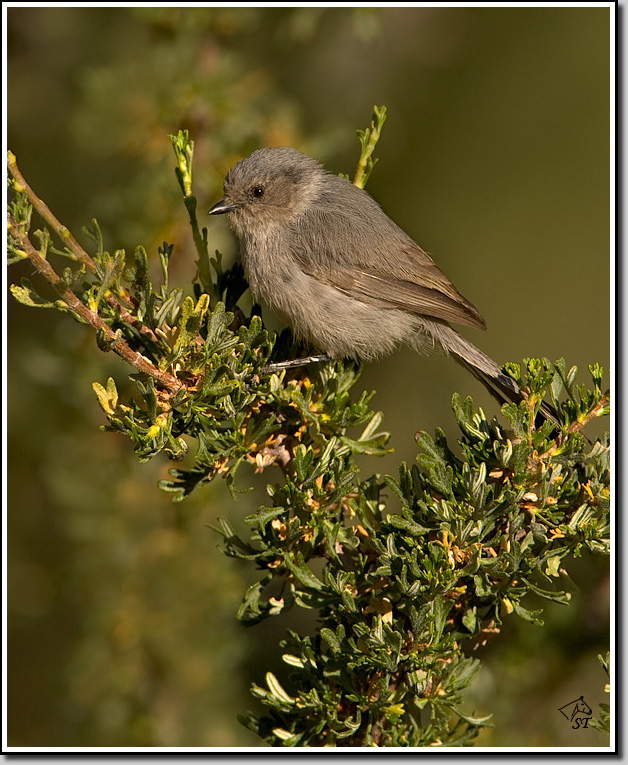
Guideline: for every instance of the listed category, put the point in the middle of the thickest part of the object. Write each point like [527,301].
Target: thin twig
[43,209]
[365,163]
[75,248]
[118,345]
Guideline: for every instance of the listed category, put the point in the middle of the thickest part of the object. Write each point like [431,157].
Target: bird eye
[257,191]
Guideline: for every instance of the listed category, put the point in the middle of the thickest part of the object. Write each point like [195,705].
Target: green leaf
[529,616]
[107,398]
[439,607]
[263,516]
[432,460]
[556,386]
[190,323]
[301,571]
[330,637]
[519,418]
[470,619]
[277,690]
[27,295]
[462,672]
[302,461]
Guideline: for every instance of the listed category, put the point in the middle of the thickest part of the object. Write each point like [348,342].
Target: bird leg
[277,366]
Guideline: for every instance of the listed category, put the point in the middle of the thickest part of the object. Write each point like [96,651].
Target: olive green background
[495,158]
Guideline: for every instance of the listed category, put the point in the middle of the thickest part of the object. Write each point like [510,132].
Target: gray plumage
[323,255]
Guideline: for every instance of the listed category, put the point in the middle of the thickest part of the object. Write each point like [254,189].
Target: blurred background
[494,158]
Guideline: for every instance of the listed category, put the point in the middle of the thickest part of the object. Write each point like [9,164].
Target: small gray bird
[323,255]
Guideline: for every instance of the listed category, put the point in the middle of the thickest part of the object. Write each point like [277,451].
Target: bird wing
[388,291]
[378,264]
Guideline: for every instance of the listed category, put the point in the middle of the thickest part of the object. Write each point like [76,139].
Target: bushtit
[323,255]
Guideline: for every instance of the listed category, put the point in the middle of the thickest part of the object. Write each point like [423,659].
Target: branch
[45,212]
[112,339]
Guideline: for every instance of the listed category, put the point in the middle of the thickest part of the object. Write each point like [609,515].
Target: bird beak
[222,207]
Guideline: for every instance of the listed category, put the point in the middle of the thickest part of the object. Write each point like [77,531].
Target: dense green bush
[406,573]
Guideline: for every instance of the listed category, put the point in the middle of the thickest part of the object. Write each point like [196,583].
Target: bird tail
[484,369]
